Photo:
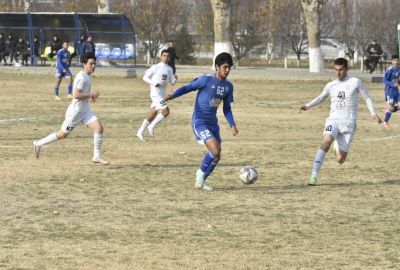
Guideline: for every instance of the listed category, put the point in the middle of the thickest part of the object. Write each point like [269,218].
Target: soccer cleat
[36,148]
[312,181]
[206,186]
[140,136]
[199,179]
[151,130]
[386,125]
[57,98]
[70,96]
[100,161]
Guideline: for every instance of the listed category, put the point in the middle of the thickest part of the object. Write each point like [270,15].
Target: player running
[391,81]
[342,120]
[79,112]
[62,70]
[212,90]
[158,76]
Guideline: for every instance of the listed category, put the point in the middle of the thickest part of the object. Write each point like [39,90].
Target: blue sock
[387,116]
[208,158]
[56,89]
[210,169]
[69,89]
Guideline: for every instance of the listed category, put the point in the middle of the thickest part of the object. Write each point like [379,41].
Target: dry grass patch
[142,212]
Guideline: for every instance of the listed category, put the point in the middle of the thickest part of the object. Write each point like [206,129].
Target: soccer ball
[248,175]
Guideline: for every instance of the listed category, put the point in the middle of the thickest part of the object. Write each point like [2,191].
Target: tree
[222,26]
[104,6]
[312,13]
[245,30]
[184,45]
[154,21]
[80,6]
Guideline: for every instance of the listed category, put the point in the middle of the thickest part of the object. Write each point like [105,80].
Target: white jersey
[344,99]
[83,82]
[159,74]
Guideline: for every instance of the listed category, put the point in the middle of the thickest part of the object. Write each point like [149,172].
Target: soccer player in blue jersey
[62,70]
[391,81]
[212,90]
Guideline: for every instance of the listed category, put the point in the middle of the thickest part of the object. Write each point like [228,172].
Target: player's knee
[325,146]
[165,112]
[62,135]
[341,159]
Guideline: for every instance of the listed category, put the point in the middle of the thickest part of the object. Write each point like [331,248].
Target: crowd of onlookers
[20,50]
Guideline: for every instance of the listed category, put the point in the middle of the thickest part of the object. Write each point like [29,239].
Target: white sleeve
[368,100]
[148,74]
[171,76]
[320,98]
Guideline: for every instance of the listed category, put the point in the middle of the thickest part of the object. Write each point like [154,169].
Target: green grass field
[142,211]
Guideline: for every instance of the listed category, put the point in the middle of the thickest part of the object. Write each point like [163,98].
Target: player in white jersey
[342,121]
[79,112]
[158,76]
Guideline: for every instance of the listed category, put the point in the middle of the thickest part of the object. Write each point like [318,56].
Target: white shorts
[72,119]
[158,103]
[342,132]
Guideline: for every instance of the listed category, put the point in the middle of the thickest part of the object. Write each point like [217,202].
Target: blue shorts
[203,131]
[60,74]
[392,96]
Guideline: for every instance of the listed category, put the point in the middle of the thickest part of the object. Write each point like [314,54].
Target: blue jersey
[390,79]
[211,92]
[63,59]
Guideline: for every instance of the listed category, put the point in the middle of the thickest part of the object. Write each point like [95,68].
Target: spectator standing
[88,46]
[55,45]
[172,55]
[374,52]
[2,49]
[10,47]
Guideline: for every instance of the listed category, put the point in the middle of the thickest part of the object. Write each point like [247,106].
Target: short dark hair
[164,51]
[224,58]
[85,58]
[341,62]
[395,56]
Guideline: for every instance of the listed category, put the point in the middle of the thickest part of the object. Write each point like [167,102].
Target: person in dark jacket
[173,55]
[2,49]
[55,45]
[88,46]
[10,47]
[21,49]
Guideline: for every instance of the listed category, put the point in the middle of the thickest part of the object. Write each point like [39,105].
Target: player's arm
[229,117]
[148,75]
[324,94]
[172,77]
[370,104]
[387,81]
[59,65]
[194,85]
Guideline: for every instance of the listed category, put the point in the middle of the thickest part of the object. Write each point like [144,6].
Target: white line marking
[15,119]
[381,139]
[55,146]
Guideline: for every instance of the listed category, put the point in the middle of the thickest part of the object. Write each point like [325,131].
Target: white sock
[157,120]
[143,126]
[46,140]
[97,142]
[319,160]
